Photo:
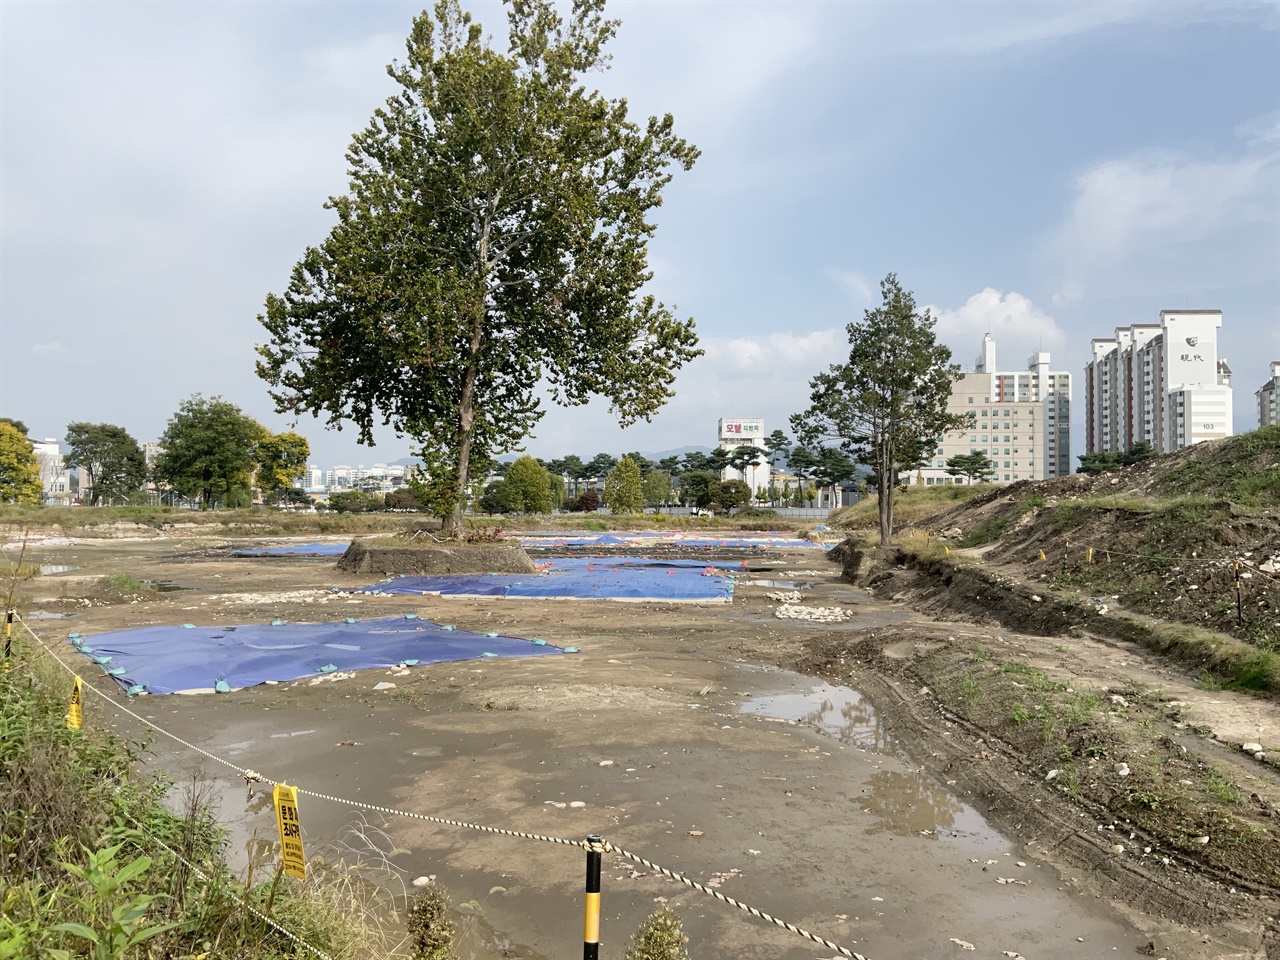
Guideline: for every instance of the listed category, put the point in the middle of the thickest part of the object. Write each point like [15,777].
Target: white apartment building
[1161,384]
[55,479]
[1268,396]
[1023,421]
[734,432]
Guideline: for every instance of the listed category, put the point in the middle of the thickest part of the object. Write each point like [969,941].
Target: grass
[984,533]
[120,583]
[910,506]
[1234,664]
[81,856]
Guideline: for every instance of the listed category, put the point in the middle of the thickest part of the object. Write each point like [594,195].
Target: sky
[1042,171]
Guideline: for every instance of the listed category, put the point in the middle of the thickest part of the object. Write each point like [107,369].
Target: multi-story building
[735,432]
[1162,384]
[55,478]
[1022,421]
[1269,398]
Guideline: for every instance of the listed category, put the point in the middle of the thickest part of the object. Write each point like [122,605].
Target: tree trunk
[884,491]
[466,422]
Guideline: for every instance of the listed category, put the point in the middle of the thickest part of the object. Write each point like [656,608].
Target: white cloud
[1162,222]
[1018,326]
[49,349]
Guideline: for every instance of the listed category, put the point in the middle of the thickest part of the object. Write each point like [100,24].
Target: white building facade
[55,479]
[735,432]
[1268,397]
[1162,384]
[1022,421]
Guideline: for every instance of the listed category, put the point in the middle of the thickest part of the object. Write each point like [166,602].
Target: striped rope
[244,903]
[254,776]
[760,914]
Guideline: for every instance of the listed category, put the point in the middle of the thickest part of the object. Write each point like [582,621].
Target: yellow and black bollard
[591,923]
[8,638]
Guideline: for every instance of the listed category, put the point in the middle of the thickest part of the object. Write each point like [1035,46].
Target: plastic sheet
[583,578]
[201,659]
[293,550]
[761,541]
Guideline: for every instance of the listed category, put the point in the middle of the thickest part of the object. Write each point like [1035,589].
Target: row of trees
[211,452]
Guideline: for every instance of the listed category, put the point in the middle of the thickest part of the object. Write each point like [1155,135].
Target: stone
[1251,747]
[1117,848]
[1122,769]
[384,685]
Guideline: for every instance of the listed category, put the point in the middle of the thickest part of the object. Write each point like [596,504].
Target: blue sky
[1046,171]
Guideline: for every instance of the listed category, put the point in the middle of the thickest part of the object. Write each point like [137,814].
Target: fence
[594,846]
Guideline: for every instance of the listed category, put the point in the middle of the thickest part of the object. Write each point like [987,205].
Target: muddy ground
[851,799]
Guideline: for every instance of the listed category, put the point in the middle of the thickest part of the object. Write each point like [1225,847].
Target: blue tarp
[184,658]
[293,550]
[651,538]
[584,578]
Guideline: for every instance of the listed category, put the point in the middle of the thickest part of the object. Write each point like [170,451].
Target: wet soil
[849,805]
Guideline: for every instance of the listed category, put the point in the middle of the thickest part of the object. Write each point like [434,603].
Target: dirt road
[674,734]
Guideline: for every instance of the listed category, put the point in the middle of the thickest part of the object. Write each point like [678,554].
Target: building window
[971,399]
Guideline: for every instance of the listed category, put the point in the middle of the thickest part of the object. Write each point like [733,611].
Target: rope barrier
[760,914]
[244,903]
[603,846]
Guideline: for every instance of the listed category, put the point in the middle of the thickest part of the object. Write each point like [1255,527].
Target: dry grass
[912,506]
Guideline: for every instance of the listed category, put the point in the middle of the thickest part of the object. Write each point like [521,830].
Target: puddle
[45,615]
[905,804]
[296,733]
[49,569]
[779,584]
[839,712]
[914,804]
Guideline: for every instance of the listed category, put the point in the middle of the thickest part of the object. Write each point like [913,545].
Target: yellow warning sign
[74,716]
[291,855]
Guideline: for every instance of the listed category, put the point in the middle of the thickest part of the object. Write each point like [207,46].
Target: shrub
[660,937]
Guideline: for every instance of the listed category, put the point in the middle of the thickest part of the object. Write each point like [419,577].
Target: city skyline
[187,150]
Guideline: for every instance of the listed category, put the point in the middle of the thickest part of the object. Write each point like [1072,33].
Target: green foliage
[113,936]
[656,488]
[356,501]
[210,448]
[19,469]
[402,499]
[622,488]
[699,487]
[110,461]
[497,498]
[1242,469]
[1100,462]
[660,937]
[281,459]
[984,533]
[977,466]
[888,404]
[121,583]
[16,424]
[493,237]
[431,930]
[558,491]
[732,493]
[528,486]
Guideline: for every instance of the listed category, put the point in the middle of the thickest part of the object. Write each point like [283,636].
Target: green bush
[660,937]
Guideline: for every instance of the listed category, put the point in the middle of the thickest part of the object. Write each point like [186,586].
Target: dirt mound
[1166,536]
[375,558]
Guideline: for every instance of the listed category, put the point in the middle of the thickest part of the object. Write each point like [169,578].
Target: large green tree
[19,469]
[281,459]
[656,488]
[889,401]
[528,486]
[493,239]
[622,488]
[210,449]
[110,461]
